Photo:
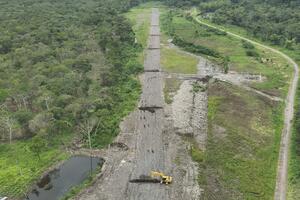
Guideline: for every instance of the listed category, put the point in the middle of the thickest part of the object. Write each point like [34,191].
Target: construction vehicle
[163,178]
[155,177]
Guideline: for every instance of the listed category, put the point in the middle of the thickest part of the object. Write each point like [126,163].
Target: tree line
[277,21]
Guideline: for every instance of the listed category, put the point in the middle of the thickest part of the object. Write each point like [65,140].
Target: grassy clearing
[294,161]
[172,59]
[20,168]
[243,139]
[295,53]
[140,20]
[267,63]
[176,62]
[171,86]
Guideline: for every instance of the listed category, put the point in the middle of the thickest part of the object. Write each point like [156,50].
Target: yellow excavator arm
[163,178]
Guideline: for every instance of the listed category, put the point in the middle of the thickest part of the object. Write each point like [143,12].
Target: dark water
[58,182]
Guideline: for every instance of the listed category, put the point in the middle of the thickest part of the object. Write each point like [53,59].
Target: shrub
[198,49]
[247,45]
[252,53]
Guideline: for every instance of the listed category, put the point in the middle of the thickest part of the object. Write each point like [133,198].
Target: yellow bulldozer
[155,177]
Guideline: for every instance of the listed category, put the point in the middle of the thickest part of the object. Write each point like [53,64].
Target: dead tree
[8,123]
[87,127]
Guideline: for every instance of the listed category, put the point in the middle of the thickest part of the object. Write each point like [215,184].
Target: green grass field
[276,69]
[243,140]
[139,17]
[20,168]
[140,20]
[176,62]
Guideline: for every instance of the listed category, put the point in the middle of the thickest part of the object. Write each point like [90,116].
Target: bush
[3,95]
[247,45]
[195,48]
[23,116]
[252,53]
[216,31]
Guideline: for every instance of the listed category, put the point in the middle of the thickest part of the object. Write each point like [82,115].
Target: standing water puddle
[58,182]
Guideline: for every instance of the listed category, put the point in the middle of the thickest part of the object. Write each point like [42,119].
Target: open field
[176,62]
[295,54]
[244,136]
[274,68]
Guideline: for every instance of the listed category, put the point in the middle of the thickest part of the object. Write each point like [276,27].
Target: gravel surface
[155,30]
[152,61]
[152,91]
[150,154]
[183,103]
[154,42]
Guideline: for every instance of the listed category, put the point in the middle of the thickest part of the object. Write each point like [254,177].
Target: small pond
[58,182]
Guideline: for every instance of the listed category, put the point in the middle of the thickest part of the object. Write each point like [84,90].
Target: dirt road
[150,149]
[282,172]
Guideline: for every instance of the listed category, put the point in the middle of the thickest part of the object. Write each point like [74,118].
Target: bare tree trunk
[47,106]
[47,99]
[10,134]
[24,102]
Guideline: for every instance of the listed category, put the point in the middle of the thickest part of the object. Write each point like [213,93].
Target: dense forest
[277,21]
[66,66]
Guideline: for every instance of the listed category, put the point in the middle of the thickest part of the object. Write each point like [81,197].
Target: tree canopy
[277,21]
[62,62]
